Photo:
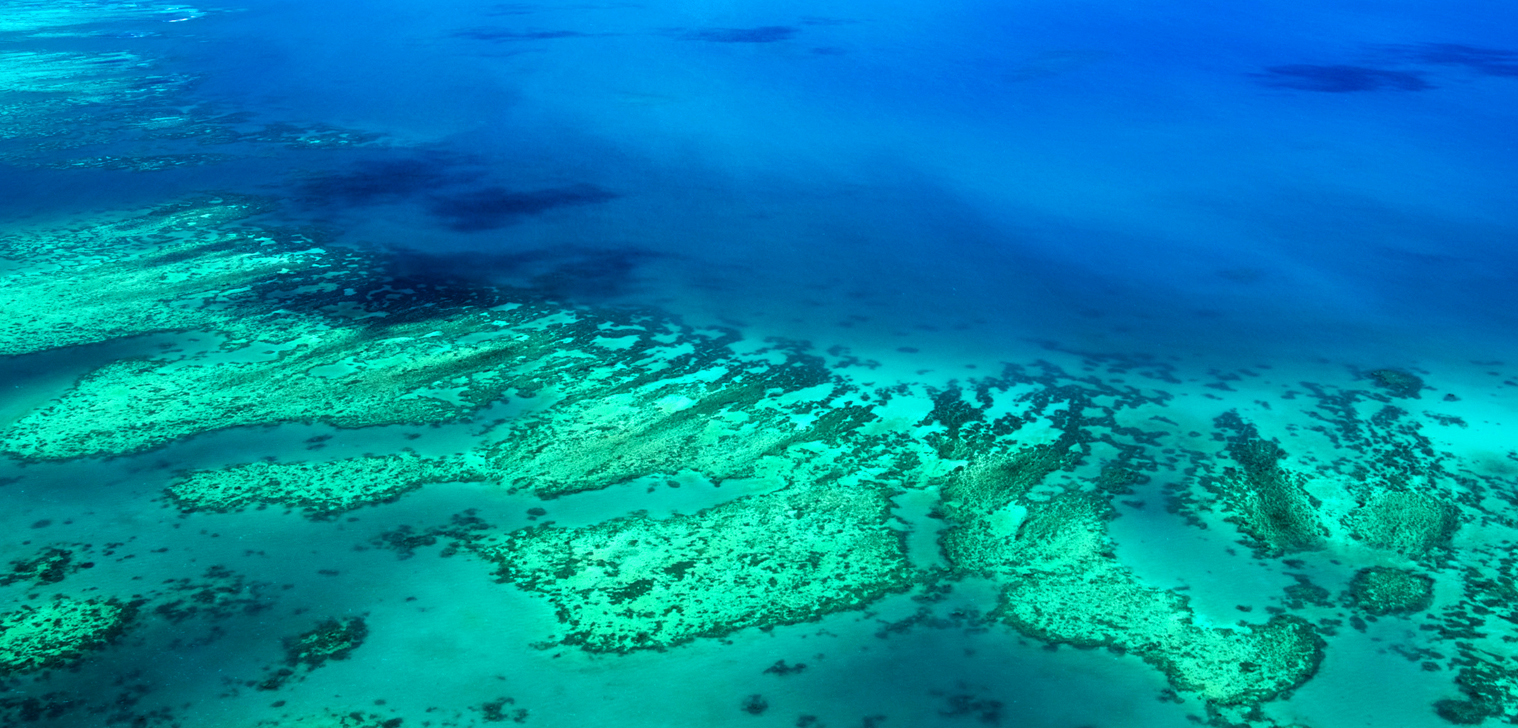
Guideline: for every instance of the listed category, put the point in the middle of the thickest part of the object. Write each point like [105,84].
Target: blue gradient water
[1126,175]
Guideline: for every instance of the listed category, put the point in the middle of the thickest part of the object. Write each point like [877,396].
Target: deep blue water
[1134,177]
[1174,175]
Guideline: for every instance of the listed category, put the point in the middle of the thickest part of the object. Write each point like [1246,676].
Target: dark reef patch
[330,640]
[1397,382]
[49,566]
[755,704]
[1268,501]
[1382,590]
[1340,78]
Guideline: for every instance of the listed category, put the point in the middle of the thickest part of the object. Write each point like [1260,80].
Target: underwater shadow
[1339,78]
[507,36]
[575,274]
[381,181]
[764,34]
[496,207]
[1485,61]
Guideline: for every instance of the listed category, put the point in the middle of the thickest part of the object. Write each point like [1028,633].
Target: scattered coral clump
[58,631]
[1405,521]
[1383,590]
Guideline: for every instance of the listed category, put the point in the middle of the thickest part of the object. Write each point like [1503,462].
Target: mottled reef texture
[58,631]
[1026,465]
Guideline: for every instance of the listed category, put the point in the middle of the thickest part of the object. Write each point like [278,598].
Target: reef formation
[1026,465]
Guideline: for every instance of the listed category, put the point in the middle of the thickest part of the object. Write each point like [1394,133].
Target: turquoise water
[593,364]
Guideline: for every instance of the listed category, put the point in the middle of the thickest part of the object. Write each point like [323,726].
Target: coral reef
[1397,382]
[50,566]
[331,640]
[814,493]
[317,488]
[58,631]
[118,106]
[177,267]
[1062,584]
[780,558]
[334,719]
[1404,521]
[719,421]
[1021,467]
[1268,502]
[1383,590]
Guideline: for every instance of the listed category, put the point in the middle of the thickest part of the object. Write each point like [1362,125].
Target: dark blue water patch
[1340,78]
[824,20]
[379,181]
[1242,275]
[571,273]
[497,207]
[495,35]
[1486,61]
[501,9]
[763,34]
[598,277]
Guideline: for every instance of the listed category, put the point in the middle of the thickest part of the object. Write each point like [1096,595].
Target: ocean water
[1063,365]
